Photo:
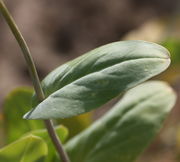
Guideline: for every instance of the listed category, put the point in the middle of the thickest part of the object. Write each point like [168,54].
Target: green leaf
[15,105]
[26,149]
[124,132]
[98,76]
[62,133]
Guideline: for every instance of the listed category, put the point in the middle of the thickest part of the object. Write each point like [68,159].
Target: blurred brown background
[57,31]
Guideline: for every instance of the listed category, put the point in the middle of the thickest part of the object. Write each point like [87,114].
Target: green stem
[35,78]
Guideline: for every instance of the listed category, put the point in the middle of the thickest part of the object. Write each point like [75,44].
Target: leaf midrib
[81,78]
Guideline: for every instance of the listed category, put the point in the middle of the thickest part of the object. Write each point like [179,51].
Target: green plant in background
[81,86]
[173,45]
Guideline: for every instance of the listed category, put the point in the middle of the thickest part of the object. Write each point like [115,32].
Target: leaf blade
[14,107]
[125,131]
[62,133]
[97,77]
[26,149]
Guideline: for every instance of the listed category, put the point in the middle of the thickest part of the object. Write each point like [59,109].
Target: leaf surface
[124,132]
[15,105]
[62,133]
[26,149]
[93,79]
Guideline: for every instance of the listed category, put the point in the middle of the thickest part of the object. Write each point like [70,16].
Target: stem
[56,141]
[35,78]
[25,50]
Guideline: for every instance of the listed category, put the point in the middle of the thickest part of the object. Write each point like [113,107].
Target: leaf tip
[28,115]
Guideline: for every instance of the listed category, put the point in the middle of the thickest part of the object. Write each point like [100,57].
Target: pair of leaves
[124,132]
[36,146]
[95,78]
[27,149]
